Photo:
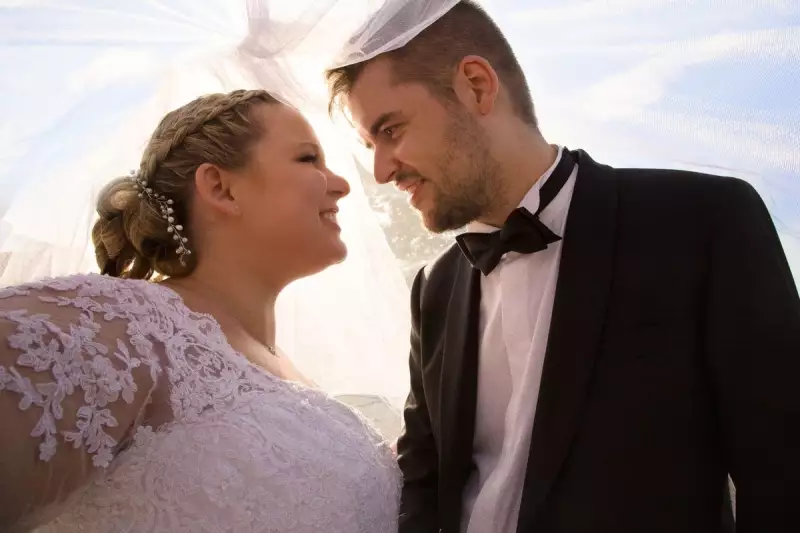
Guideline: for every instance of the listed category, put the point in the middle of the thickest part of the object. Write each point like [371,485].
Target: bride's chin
[333,253]
[339,252]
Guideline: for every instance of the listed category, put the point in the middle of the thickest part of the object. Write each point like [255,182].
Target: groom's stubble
[469,175]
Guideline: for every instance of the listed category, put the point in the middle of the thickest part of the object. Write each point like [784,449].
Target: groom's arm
[753,340]
[416,447]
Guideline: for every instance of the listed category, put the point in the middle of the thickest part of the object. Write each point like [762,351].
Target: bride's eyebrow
[308,144]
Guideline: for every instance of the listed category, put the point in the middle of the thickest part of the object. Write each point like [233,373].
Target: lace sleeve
[74,382]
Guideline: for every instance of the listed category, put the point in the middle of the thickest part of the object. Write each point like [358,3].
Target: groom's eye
[390,131]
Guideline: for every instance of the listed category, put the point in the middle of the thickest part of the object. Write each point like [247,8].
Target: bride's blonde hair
[131,238]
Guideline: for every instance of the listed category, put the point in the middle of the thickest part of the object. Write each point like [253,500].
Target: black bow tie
[522,232]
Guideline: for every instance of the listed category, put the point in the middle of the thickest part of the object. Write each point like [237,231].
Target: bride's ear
[214,189]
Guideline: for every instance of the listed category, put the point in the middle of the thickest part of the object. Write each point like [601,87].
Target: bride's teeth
[330,216]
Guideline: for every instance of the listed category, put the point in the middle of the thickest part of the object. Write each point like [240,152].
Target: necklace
[272,350]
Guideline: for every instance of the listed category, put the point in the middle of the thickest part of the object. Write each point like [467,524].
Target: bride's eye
[310,158]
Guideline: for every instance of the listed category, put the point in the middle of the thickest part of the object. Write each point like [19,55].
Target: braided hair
[131,238]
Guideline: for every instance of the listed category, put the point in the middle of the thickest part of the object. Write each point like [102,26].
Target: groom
[603,347]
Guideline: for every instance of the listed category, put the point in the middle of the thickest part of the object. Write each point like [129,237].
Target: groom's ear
[476,84]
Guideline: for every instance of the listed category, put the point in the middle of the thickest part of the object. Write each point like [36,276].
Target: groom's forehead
[376,95]
[377,73]
[372,92]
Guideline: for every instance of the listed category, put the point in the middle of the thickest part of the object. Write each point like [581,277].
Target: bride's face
[288,198]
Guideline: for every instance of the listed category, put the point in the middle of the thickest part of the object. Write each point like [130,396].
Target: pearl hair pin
[165,206]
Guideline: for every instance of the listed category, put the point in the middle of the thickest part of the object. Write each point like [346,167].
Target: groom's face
[427,146]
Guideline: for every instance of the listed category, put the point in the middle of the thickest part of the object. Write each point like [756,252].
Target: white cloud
[755,146]
[579,10]
[588,9]
[624,95]
[640,98]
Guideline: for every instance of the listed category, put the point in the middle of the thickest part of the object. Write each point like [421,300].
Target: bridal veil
[706,85]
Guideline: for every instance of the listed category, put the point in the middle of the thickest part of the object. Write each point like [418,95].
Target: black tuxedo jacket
[673,361]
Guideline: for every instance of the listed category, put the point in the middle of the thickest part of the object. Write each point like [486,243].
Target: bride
[151,398]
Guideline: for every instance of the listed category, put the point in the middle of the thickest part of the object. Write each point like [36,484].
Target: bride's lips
[328,218]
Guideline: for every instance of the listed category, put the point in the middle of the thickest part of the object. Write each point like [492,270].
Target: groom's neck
[523,159]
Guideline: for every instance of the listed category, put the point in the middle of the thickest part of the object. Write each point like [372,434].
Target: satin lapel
[459,385]
[584,282]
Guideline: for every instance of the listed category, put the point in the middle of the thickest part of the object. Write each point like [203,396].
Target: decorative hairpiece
[167,213]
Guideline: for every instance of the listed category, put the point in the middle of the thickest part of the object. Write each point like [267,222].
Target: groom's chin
[429,223]
[436,223]
[429,219]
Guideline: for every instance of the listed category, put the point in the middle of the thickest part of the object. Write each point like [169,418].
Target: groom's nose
[385,166]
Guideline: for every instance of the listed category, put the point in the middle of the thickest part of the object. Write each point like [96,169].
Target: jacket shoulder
[438,272]
[443,263]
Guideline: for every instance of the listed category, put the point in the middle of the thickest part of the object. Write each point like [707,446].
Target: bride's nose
[337,185]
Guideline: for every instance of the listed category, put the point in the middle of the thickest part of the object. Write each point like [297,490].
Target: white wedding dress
[144,408]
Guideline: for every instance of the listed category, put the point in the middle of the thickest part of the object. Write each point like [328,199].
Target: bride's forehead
[287,116]
[287,125]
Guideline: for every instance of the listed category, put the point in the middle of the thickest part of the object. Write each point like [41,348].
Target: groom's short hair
[430,57]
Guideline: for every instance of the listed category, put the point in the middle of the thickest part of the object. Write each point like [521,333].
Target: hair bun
[114,251]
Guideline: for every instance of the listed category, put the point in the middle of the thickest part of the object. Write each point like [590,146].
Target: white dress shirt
[516,307]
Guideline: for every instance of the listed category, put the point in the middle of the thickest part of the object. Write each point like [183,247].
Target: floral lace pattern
[236,449]
[75,360]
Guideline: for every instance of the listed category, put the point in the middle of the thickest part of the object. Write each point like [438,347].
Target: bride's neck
[218,291]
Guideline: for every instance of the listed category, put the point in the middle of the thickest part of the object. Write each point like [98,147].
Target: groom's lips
[414,189]
[417,192]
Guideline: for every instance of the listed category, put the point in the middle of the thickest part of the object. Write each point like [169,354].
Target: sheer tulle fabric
[706,86]
[347,328]
[631,82]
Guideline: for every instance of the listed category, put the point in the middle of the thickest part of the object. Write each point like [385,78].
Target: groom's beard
[468,177]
